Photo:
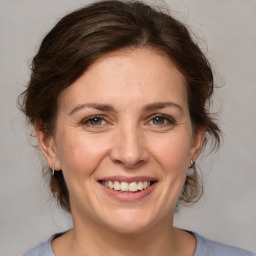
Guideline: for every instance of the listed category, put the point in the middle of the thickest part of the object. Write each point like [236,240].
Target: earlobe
[47,146]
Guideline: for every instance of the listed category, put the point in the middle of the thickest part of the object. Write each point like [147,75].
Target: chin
[129,222]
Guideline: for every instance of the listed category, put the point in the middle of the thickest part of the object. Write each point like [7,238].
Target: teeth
[140,185]
[133,187]
[110,184]
[125,186]
[116,185]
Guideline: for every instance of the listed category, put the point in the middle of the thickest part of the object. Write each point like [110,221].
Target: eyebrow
[109,108]
[159,105]
[102,107]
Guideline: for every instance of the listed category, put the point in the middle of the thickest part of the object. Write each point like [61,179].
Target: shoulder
[43,249]
[206,247]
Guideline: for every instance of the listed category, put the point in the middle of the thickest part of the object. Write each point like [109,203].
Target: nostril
[128,151]
[117,161]
[129,164]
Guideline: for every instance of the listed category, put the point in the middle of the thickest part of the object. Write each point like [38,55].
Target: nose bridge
[129,147]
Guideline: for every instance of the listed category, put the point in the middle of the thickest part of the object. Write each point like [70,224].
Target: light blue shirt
[204,247]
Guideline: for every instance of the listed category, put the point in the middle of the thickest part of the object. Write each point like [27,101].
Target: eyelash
[92,118]
[170,120]
[167,119]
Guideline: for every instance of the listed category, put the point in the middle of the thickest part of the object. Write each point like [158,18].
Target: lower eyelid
[166,118]
[170,120]
[88,119]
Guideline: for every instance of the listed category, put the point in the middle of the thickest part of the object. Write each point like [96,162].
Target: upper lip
[128,179]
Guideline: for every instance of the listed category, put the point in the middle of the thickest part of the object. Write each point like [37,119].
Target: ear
[197,144]
[47,146]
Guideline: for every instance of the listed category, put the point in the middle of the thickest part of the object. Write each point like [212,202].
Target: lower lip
[129,196]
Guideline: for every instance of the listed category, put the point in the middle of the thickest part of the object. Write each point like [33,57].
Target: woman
[118,98]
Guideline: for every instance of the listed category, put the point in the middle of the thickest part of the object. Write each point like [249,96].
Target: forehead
[141,75]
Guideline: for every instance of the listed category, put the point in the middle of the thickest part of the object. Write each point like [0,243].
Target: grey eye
[159,120]
[96,121]
[162,120]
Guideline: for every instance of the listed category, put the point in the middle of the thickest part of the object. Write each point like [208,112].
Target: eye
[161,120]
[94,121]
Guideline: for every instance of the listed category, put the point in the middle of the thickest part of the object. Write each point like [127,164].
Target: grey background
[226,213]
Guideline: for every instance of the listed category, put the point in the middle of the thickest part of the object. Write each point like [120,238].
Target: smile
[125,186]
[128,189]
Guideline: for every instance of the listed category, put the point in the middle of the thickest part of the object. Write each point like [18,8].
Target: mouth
[128,189]
[123,186]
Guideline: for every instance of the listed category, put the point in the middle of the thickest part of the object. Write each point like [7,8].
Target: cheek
[172,152]
[79,154]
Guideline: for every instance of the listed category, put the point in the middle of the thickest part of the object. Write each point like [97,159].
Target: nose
[128,148]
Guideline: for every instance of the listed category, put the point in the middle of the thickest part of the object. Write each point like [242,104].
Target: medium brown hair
[83,36]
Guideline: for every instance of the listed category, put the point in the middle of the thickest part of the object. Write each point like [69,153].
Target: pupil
[158,120]
[96,121]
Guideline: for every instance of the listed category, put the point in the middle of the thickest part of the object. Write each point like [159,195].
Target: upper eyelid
[162,115]
[104,117]
[86,119]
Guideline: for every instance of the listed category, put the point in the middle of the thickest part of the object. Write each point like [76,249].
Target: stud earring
[53,169]
[192,166]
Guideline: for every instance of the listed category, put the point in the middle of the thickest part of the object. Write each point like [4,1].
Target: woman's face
[124,140]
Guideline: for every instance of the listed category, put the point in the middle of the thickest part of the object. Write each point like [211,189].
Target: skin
[128,140]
